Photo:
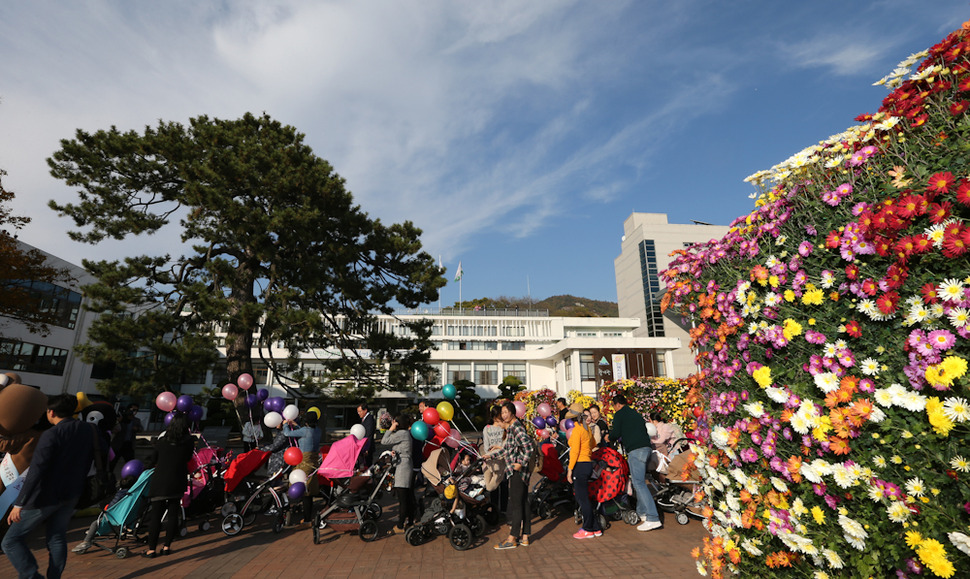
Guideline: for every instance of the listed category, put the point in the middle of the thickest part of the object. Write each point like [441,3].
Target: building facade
[648,240]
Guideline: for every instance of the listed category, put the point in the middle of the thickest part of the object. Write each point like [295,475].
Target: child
[83,546]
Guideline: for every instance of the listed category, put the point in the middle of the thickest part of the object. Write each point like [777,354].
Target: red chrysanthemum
[854,329]
[929,293]
[906,246]
[953,245]
[833,240]
[922,243]
[941,182]
[888,302]
[883,244]
[919,121]
[963,192]
[939,212]
[895,276]
[908,206]
[852,271]
[865,221]
[964,84]
[959,107]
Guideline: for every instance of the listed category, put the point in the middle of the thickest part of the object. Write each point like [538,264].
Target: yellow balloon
[82,402]
[445,410]
[314,409]
[450,492]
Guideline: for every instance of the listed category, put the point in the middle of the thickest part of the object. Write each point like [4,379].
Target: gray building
[645,251]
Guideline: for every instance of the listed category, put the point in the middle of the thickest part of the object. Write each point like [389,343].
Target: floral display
[667,396]
[577,396]
[533,398]
[831,325]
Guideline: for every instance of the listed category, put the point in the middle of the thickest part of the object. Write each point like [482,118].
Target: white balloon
[272,419]
[358,431]
[291,412]
[297,475]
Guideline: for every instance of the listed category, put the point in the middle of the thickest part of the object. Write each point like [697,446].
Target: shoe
[524,542]
[149,555]
[649,525]
[583,534]
[81,548]
[165,551]
[505,545]
[597,533]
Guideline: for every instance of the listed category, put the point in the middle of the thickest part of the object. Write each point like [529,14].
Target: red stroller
[551,492]
[608,489]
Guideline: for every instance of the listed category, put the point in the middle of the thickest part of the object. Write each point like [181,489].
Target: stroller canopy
[341,461]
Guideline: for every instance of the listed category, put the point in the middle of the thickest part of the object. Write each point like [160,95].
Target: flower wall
[646,395]
[832,331]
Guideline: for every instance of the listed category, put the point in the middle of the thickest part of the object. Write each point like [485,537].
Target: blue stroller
[122,519]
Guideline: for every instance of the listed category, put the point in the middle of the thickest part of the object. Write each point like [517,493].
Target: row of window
[457,330]
[651,289]
[27,357]
[61,304]
[505,346]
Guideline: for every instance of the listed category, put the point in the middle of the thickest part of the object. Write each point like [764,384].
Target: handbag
[99,486]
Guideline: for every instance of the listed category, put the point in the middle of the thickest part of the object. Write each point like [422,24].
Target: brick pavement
[258,552]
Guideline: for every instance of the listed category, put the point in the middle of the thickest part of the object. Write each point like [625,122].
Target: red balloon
[430,416]
[698,411]
[293,456]
[442,429]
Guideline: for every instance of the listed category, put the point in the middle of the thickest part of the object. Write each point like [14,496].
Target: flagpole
[439,289]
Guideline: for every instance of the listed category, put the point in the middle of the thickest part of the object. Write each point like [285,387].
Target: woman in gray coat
[398,437]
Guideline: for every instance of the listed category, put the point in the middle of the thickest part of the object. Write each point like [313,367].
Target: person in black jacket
[170,458]
[370,427]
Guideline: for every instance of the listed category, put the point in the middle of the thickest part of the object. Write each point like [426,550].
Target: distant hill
[565,305]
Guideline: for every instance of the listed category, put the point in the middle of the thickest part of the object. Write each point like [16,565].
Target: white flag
[458,273]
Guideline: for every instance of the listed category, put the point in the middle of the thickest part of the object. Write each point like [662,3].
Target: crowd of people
[508,451]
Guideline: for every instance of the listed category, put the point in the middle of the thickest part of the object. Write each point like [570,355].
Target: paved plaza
[258,552]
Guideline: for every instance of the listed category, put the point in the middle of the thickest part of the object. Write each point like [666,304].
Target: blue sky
[517,135]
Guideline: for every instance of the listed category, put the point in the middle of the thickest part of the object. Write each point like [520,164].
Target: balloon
[274,404]
[245,381]
[296,491]
[291,412]
[544,410]
[431,416]
[568,424]
[293,456]
[195,413]
[419,430]
[314,409]
[543,433]
[453,438]
[449,391]
[442,429]
[445,410]
[166,401]
[569,433]
[168,419]
[251,400]
[698,412]
[551,422]
[272,419]
[229,391]
[298,476]
[262,394]
[358,431]
[519,408]
[132,468]
[539,422]
[184,403]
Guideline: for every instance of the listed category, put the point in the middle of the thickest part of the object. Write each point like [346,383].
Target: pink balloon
[451,440]
[166,401]
[543,433]
[519,408]
[245,381]
[544,410]
[229,391]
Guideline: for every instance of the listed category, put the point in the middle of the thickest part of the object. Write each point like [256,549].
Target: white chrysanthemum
[960,541]
[917,313]
[958,317]
[828,279]
[887,124]
[897,392]
[827,382]
[776,394]
[876,493]
[810,473]
[913,402]
[842,476]
[719,436]
[852,527]
[883,397]
[916,487]
[829,350]
[834,161]
[877,415]
[820,575]
[701,568]
[879,461]
[798,507]
[937,311]
[755,409]
[959,463]
[950,290]
[751,546]
[841,345]
[739,476]
[732,501]
[935,233]
[856,542]
[799,424]
[956,409]
[898,512]
[772,299]
[779,484]
[833,558]
[869,367]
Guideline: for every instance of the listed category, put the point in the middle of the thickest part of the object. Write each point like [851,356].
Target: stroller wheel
[121,552]
[478,525]
[604,522]
[460,537]
[250,517]
[232,524]
[544,510]
[278,523]
[368,531]
[183,531]
[413,536]
[631,518]
[682,518]
[373,511]
[204,526]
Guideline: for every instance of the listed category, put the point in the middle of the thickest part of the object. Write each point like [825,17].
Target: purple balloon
[132,468]
[275,404]
[251,400]
[168,419]
[296,491]
[262,394]
[551,422]
[195,414]
[539,422]
[568,424]
[184,403]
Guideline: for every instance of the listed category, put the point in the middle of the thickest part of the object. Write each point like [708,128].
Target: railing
[484,312]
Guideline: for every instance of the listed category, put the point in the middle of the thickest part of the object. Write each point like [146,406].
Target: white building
[49,362]
[647,243]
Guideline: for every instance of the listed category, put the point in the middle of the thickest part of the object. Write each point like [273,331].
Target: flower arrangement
[533,398]
[667,396]
[576,396]
[831,325]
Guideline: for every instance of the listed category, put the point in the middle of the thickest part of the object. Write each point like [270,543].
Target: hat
[575,410]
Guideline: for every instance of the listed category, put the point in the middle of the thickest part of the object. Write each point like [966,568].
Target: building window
[587,367]
[58,304]
[568,367]
[612,334]
[513,346]
[486,374]
[585,334]
[458,371]
[27,357]
[661,365]
[651,289]
[517,370]
[513,331]
[473,345]
[260,375]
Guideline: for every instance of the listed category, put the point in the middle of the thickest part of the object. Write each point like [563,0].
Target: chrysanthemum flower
[956,409]
[951,290]
[959,463]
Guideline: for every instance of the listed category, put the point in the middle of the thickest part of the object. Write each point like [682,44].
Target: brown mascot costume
[21,408]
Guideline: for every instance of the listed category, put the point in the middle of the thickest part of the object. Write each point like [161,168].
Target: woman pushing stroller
[399,438]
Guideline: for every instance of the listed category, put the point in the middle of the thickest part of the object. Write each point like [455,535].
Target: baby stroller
[205,491]
[461,521]
[607,488]
[551,492]
[351,498]
[678,483]
[248,496]
[123,518]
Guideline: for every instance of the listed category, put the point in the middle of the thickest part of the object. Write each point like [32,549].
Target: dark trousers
[407,507]
[500,497]
[158,508]
[581,474]
[520,512]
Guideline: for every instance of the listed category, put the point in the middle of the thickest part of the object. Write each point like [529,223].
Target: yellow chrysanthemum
[913,539]
[813,297]
[938,420]
[791,329]
[818,514]
[762,376]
